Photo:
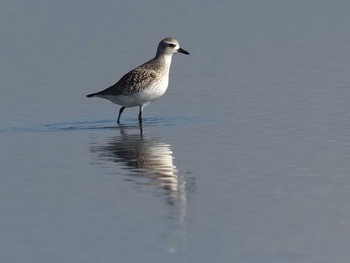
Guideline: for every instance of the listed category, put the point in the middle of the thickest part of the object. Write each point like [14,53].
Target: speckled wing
[132,82]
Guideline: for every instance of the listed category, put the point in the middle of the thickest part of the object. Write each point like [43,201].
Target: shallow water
[245,159]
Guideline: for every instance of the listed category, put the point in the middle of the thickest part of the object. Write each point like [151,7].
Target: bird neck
[164,59]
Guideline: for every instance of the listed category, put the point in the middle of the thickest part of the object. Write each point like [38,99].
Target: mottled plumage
[145,83]
[132,82]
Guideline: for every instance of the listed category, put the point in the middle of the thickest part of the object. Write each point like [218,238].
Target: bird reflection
[147,157]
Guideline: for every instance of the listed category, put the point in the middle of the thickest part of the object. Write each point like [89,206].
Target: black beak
[182,51]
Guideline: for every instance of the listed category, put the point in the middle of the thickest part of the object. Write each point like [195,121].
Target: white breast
[144,97]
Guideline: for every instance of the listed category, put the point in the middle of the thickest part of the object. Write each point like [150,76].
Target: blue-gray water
[245,159]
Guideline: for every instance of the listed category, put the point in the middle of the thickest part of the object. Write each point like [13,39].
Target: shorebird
[146,83]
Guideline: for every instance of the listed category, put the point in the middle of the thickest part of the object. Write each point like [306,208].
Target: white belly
[143,97]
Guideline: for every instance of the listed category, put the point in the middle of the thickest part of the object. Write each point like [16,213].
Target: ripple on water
[105,124]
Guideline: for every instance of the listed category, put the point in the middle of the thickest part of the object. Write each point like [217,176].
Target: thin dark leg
[140,115]
[120,113]
[140,120]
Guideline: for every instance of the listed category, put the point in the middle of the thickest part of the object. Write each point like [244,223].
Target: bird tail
[91,95]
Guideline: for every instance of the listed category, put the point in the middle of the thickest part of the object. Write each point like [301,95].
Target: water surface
[245,159]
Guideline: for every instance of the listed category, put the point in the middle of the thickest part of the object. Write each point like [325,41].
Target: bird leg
[120,113]
[140,115]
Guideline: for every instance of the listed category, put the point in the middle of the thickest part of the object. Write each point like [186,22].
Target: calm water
[245,159]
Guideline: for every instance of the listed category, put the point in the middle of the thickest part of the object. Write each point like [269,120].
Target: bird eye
[171,45]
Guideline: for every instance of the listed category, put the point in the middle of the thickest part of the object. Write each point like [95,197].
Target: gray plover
[146,83]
